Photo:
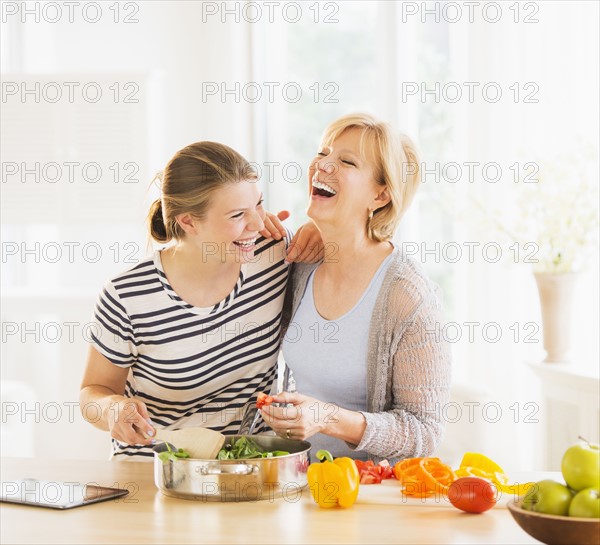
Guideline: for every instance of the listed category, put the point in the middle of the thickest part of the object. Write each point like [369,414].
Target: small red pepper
[262,400]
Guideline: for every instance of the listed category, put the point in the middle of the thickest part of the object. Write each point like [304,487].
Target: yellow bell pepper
[333,482]
[481,461]
[475,464]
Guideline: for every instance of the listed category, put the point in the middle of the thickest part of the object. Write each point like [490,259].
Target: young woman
[370,372]
[190,335]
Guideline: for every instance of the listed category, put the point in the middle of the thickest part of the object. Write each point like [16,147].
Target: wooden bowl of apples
[555,529]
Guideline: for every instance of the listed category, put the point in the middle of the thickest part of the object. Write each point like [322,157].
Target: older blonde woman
[370,374]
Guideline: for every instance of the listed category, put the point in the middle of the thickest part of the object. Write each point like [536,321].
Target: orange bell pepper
[424,477]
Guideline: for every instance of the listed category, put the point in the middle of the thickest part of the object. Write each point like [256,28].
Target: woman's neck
[346,249]
[189,262]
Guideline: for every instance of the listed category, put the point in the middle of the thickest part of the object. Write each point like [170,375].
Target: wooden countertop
[147,516]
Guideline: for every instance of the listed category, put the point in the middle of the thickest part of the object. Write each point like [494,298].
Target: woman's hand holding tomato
[299,416]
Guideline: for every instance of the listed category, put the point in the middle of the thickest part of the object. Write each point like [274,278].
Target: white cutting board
[388,492]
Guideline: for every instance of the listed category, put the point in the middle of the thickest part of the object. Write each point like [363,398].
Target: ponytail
[156,224]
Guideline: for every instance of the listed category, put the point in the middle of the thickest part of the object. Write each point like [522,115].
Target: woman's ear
[382,199]
[186,222]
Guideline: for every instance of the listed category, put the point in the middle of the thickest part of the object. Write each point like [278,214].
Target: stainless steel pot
[237,480]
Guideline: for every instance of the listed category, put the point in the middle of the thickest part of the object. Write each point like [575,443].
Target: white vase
[556,302]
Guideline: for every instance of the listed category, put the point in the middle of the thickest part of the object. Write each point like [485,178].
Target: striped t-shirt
[194,366]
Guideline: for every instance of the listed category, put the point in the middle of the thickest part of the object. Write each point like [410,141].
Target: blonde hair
[396,167]
[188,182]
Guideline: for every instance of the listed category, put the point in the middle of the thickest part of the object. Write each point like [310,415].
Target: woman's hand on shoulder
[299,416]
[273,226]
[306,246]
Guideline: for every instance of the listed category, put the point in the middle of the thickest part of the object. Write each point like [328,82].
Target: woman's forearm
[95,403]
[305,416]
[346,425]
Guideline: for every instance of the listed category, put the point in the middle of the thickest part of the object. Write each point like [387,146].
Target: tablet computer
[56,495]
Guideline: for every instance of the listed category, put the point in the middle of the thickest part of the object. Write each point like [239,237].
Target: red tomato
[369,477]
[387,472]
[472,494]
[373,474]
[263,399]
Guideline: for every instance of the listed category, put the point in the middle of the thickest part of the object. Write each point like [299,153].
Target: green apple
[548,497]
[581,466]
[586,504]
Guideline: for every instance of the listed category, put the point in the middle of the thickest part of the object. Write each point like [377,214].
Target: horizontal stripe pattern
[193,366]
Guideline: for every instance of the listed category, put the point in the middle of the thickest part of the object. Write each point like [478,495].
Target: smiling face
[231,225]
[343,186]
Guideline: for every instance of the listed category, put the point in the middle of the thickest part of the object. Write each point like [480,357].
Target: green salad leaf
[173,455]
[245,448]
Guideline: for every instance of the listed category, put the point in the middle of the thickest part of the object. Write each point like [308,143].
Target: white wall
[169,53]
[170,42]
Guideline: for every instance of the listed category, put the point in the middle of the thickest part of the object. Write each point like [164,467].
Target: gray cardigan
[408,365]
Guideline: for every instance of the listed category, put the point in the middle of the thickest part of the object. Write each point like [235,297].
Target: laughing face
[232,223]
[343,187]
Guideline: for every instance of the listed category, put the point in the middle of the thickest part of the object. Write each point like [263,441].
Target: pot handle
[228,469]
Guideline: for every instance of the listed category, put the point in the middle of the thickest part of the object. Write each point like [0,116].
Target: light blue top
[328,358]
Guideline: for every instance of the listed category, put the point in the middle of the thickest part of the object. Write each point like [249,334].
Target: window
[378,56]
